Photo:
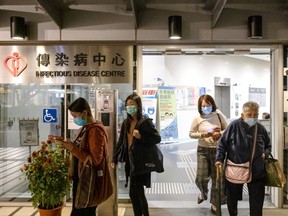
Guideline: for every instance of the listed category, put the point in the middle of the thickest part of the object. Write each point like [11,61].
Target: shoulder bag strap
[140,122]
[105,155]
[253,151]
[80,134]
[254,145]
[219,120]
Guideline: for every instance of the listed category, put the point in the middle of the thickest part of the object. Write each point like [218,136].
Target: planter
[51,212]
[47,176]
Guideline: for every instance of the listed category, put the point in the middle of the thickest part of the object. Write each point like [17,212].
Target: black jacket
[149,136]
[237,143]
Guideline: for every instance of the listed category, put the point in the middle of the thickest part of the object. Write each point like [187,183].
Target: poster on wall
[29,132]
[168,114]
[187,97]
[105,101]
[202,91]
[236,100]
[181,96]
[258,95]
[192,96]
[149,103]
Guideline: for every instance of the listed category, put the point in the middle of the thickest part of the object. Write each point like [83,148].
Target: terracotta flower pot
[51,212]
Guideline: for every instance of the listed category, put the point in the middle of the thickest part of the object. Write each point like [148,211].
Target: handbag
[95,184]
[122,152]
[275,176]
[150,160]
[238,173]
[241,173]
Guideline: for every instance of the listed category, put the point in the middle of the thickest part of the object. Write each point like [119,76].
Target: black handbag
[122,152]
[145,158]
[150,160]
[274,173]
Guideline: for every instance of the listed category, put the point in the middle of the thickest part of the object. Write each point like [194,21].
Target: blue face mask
[80,121]
[250,121]
[131,110]
[207,110]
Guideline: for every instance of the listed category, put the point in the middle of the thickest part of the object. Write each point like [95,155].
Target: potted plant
[47,175]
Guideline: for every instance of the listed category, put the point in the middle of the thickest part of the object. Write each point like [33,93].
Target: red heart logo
[15,64]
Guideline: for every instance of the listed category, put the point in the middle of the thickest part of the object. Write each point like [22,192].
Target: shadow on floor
[204,212]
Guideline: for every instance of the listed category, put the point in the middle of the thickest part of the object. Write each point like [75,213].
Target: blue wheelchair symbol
[49,115]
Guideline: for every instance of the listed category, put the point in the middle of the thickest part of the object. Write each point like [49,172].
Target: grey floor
[172,193]
[204,211]
[126,210]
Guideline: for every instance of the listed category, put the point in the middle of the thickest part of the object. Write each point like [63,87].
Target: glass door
[190,73]
[22,127]
[28,114]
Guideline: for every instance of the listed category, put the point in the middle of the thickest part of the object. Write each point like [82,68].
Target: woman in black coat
[137,133]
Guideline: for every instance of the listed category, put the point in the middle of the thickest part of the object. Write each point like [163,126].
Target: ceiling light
[17,28]
[175,27]
[255,27]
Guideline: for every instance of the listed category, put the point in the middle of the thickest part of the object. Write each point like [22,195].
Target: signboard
[49,115]
[167,112]
[149,103]
[105,101]
[29,132]
[66,64]
[258,95]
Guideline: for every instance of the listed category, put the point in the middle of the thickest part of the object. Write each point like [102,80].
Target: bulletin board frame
[29,132]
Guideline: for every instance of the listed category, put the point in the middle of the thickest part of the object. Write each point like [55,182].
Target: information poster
[29,132]
[149,103]
[258,95]
[192,96]
[167,112]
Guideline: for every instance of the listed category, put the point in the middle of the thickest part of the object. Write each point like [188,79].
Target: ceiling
[65,14]
[61,12]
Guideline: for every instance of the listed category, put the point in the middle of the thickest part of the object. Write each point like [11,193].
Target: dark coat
[237,143]
[149,136]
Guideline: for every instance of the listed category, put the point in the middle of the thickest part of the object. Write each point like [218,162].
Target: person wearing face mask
[91,141]
[236,145]
[208,127]
[137,132]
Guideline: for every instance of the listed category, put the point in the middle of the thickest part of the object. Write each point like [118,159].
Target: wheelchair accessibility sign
[49,115]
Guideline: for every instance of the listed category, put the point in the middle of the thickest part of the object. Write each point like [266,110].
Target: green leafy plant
[47,175]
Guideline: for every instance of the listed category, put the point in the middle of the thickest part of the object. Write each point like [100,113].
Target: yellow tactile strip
[30,211]
[5,211]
